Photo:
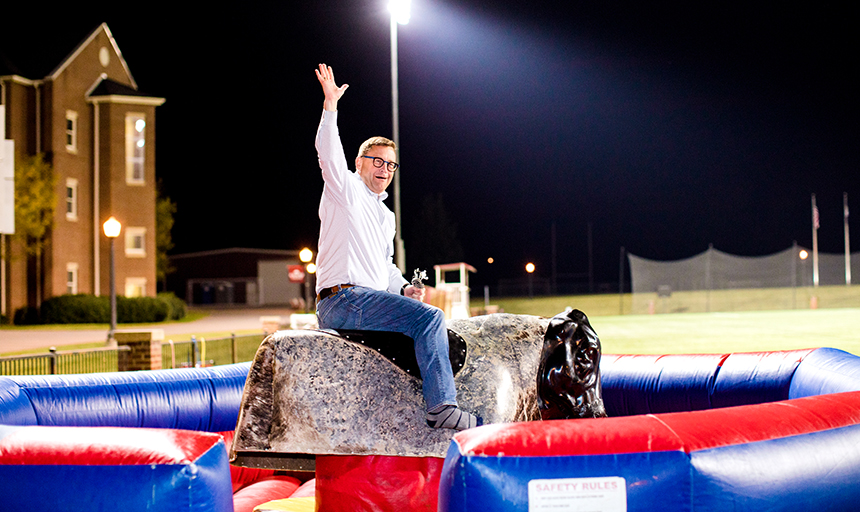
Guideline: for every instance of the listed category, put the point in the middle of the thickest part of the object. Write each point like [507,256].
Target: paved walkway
[220,319]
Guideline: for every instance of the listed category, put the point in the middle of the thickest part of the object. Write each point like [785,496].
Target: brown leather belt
[326,292]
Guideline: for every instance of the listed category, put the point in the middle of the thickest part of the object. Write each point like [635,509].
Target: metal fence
[194,353]
[95,360]
[203,352]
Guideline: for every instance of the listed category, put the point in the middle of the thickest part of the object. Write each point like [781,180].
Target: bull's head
[568,380]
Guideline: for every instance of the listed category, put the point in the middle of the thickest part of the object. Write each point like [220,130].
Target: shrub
[135,310]
[26,316]
[89,309]
[176,307]
[76,309]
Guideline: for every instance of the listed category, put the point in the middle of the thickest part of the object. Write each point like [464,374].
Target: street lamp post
[310,275]
[803,255]
[305,256]
[112,228]
[530,268]
[400,12]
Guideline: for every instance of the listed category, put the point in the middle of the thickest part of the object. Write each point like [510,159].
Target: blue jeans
[364,308]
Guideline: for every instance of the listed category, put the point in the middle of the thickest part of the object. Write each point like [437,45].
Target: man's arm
[330,89]
[396,284]
[329,149]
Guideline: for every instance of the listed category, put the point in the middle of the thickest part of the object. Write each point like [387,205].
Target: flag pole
[847,241]
[814,243]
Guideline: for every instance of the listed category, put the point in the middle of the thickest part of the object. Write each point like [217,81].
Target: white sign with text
[601,494]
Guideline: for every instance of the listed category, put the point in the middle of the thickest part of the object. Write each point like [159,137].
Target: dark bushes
[89,309]
[26,316]
[176,307]
[75,309]
[140,310]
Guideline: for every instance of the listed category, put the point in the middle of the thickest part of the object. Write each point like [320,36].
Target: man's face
[377,179]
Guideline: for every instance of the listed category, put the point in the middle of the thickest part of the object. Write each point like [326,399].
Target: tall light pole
[112,227]
[400,11]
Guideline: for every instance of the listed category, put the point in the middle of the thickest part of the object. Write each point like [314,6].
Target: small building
[238,276]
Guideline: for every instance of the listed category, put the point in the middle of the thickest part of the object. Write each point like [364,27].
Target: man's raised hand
[332,92]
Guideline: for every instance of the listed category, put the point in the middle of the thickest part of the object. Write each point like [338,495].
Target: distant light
[803,254]
[490,260]
[139,125]
[530,267]
[399,10]
[140,143]
[306,255]
[112,227]
[311,268]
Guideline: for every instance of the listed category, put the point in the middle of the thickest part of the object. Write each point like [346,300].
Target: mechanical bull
[359,393]
[568,377]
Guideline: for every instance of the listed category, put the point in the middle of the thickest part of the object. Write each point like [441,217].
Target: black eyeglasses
[377,162]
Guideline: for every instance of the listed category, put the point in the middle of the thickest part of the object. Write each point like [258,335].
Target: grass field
[717,332]
[730,332]
[751,320]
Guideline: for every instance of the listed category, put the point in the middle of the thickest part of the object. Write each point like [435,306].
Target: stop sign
[296,273]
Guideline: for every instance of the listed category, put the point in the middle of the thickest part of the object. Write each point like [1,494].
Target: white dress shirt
[356,243]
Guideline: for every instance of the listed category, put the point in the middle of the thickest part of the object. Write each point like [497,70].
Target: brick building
[88,118]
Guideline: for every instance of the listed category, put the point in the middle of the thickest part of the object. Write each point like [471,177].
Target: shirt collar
[382,197]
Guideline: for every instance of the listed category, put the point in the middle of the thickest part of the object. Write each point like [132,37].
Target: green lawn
[743,331]
[763,326]
[718,332]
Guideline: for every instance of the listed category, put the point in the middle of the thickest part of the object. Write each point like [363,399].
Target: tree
[164,212]
[35,202]
[434,236]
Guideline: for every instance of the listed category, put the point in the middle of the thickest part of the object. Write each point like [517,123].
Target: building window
[71,131]
[135,145]
[71,199]
[71,278]
[135,242]
[135,287]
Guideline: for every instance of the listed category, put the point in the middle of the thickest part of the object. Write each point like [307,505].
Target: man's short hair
[375,141]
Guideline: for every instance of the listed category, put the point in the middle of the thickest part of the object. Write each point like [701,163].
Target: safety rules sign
[603,494]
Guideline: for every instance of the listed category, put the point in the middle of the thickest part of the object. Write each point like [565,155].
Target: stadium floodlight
[400,10]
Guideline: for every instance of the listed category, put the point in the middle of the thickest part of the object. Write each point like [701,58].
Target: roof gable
[103,28]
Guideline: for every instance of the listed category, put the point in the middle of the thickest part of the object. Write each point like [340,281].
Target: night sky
[666,126]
